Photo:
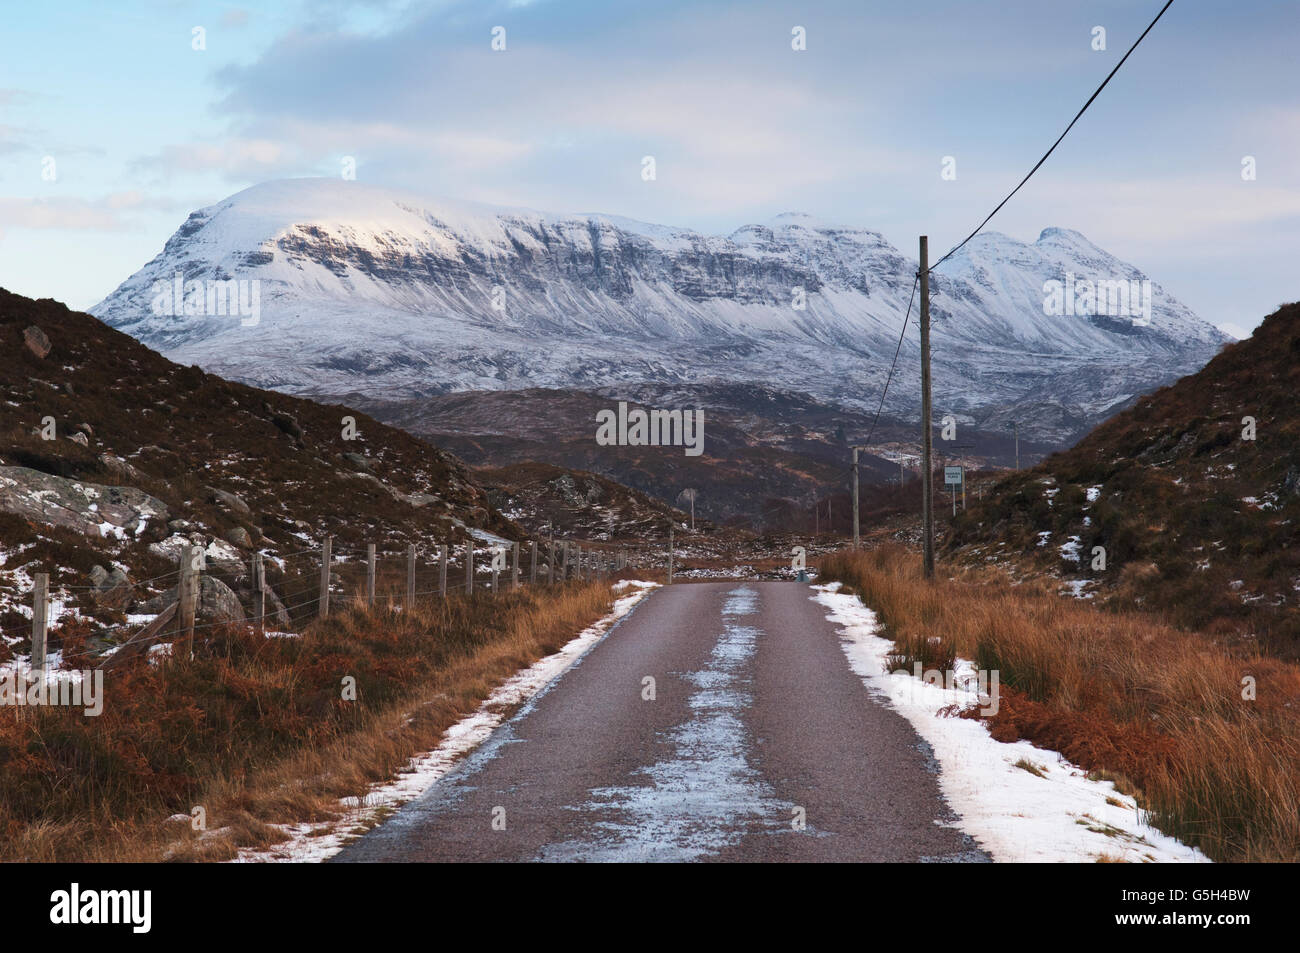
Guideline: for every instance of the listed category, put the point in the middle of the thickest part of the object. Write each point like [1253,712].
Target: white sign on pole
[952,475]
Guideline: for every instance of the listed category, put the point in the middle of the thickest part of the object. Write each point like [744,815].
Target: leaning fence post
[259,593]
[410,577]
[469,565]
[187,590]
[442,570]
[40,622]
[325,550]
[370,574]
[532,563]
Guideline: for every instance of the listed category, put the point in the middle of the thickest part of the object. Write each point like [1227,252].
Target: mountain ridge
[396,296]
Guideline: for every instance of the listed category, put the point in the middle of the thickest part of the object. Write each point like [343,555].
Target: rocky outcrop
[112,588]
[230,501]
[37,341]
[120,511]
[120,468]
[217,602]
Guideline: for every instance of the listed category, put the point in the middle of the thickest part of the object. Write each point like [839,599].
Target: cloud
[234,158]
[76,214]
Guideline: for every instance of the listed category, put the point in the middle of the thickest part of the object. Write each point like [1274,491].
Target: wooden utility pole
[927,473]
[855,498]
[40,622]
[325,552]
[370,574]
[259,593]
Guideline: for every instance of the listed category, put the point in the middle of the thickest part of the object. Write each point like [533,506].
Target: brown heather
[1156,708]
[255,730]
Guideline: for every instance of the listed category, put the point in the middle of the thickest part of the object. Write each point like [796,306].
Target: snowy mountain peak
[372,290]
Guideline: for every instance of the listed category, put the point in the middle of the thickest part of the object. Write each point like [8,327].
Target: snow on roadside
[316,842]
[1052,813]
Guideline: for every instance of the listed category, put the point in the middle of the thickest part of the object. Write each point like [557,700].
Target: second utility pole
[927,474]
[855,498]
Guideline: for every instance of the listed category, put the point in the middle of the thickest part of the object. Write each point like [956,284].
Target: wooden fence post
[410,577]
[670,555]
[469,565]
[514,565]
[187,590]
[442,570]
[326,549]
[370,574]
[532,563]
[259,593]
[550,565]
[40,622]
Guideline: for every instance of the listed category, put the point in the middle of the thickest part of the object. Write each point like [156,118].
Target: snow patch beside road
[1047,812]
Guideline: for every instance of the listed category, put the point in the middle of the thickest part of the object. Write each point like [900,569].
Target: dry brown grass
[1115,692]
[254,731]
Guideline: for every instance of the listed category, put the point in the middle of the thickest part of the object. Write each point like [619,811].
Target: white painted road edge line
[316,842]
[1014,814]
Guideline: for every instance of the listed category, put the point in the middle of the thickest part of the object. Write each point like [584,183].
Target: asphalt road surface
[759,744]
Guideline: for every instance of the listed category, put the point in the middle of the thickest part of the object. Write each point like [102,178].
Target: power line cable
[1059,138]
[897,350]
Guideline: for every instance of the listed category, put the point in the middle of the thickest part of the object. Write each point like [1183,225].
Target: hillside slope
[145,455]
[1196,519]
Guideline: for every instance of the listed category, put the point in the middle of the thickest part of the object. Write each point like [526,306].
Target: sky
[117,121]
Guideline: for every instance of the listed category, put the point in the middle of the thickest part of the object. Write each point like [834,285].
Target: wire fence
[289,591]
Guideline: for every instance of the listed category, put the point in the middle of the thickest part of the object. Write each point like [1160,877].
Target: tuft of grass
[1026,765]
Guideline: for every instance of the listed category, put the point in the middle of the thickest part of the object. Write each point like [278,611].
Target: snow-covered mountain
[365,290]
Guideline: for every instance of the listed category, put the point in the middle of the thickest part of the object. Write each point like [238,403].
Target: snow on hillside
[364,289]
